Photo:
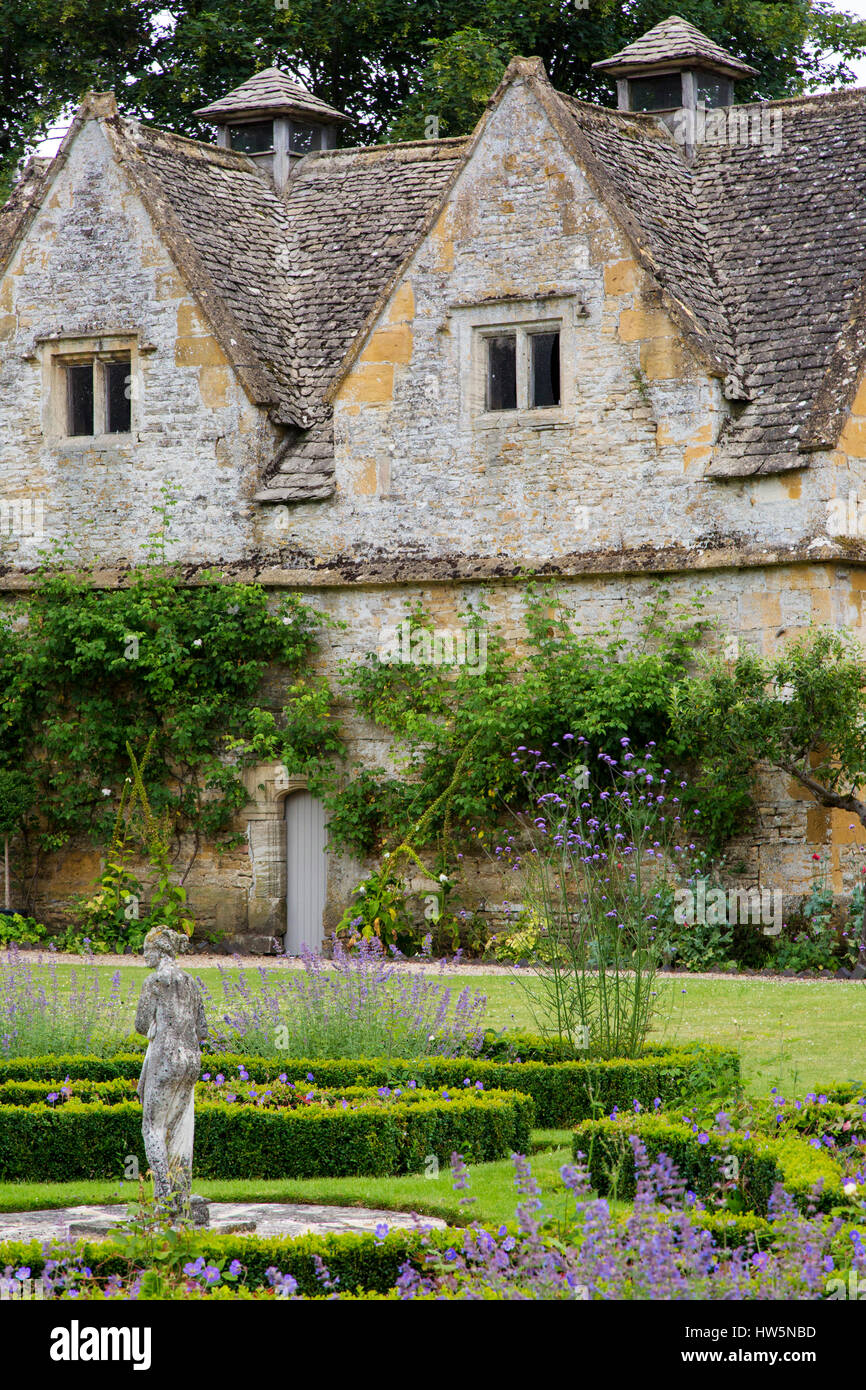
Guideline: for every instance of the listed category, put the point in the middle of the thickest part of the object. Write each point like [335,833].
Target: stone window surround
[477,322]
[62,350]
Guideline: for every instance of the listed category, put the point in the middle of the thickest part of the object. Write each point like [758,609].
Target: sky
[858,8]
[854,7]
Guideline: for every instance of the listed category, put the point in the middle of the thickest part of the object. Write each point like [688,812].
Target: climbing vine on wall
[455,727]
[87,671]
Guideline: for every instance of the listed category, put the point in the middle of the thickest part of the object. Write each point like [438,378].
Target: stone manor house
[604,345]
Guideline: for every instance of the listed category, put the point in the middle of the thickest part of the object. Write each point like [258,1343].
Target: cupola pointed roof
[674,40]
[270,92]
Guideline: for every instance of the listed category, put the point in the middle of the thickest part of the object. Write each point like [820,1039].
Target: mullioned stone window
[90,386]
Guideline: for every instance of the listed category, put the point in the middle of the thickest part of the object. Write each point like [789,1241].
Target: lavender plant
[659,1251]
[359,1004]
[589,872]
[44,1011]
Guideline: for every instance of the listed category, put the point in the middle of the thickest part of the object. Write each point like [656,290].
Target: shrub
[562,1092]
[700,1157]
[372,1136]
[359,1004]
[41,1013]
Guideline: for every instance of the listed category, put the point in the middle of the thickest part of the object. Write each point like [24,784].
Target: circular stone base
[264,1218]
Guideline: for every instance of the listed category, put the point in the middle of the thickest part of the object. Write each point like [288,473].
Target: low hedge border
[39,1143]
[763,1162]
[362,1263]
[563,1092]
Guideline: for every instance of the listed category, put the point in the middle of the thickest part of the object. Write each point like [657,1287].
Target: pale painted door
[306,872]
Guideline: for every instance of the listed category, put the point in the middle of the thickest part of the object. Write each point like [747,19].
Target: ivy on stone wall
[87,671]
[606,685]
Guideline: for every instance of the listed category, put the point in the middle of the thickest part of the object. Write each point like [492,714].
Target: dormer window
[254,137]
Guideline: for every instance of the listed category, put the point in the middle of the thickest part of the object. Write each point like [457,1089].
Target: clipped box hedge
[563,1092]
[41,1143]
[362,1263]
[763,1162]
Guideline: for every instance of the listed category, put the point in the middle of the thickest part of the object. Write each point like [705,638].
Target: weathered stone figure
[171,1014]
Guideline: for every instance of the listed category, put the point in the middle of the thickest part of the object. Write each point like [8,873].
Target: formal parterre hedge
[761,1162]
[360,1262]
[370,1136]
[563,1092]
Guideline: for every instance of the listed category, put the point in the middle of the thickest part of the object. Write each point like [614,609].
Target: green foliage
[800,711]
[370,57]
[178,669]
[461,74]
[92,1140]
[55,50]
[456,727]
[360,1262]
[24,931]
[379,910]
[761,1163]
[562,1092]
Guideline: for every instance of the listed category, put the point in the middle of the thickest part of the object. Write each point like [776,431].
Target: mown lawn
[492,1186]
[795,1034]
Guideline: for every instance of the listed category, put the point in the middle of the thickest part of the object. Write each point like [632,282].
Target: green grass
[796,1034]
[491,1184]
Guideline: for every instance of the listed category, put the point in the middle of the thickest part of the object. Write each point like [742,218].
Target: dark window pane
[545,369]
[713,91]
[502,373]
[79,396]
[254,138]
[118,391]
[305,138]
[656,93]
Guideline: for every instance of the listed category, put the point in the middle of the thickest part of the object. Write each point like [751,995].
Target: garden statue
[171,1014]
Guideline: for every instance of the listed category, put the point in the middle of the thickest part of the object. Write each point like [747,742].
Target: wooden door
[306,872]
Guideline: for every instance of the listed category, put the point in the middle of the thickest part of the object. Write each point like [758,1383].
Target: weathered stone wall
[432,494]
[93,266]
[241,893]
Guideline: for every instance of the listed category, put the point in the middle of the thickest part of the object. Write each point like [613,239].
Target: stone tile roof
[15,213]
[270,91]
[673,40]
[643,178]
[225,225]
[759,258]
[787,233]
[353,216]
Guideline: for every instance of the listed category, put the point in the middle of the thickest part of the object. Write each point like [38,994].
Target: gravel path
[446,968]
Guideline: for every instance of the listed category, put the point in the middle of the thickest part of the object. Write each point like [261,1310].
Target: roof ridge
[450,140]
[202,149]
